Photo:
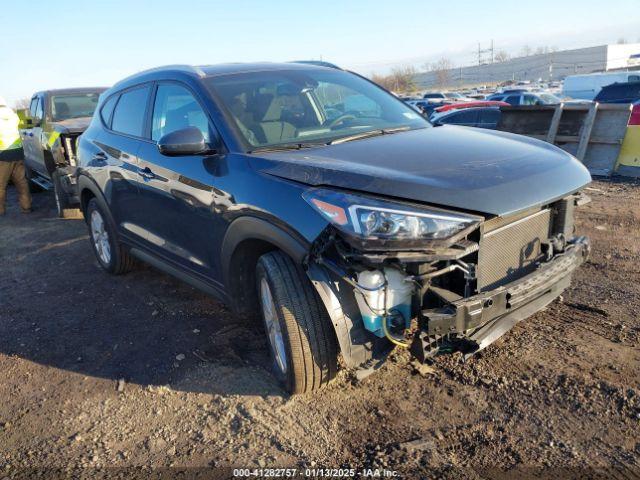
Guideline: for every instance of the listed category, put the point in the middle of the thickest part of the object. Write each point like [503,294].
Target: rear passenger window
[175,109]
[129,114]
[513,99]
[107,110]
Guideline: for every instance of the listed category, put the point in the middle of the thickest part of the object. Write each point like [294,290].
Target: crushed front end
[435,280]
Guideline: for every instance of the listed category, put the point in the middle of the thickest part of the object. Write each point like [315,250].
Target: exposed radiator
[510,251]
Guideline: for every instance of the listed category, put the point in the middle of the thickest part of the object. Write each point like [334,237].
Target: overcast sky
[69,43]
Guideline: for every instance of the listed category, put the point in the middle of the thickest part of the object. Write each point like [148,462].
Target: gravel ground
[125,376]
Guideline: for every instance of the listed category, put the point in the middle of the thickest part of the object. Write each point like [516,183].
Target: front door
[31,137]
[179,189]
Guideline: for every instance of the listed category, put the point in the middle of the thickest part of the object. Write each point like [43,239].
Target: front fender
[253,228]
[356,344]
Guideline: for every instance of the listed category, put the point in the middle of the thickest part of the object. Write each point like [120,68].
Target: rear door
[124,117]
[179,189]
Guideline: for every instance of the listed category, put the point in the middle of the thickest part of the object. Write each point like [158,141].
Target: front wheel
[110,253]
[300,335]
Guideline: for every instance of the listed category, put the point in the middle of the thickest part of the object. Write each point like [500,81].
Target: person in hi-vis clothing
[12,159]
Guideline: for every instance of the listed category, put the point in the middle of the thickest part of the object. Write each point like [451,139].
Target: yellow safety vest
[9,133]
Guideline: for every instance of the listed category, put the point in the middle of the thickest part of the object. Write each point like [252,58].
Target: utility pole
[490,51]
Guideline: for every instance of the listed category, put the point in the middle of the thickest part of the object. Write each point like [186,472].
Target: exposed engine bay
[458,293]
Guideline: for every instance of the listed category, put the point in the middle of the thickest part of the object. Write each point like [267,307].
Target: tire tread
[310,334]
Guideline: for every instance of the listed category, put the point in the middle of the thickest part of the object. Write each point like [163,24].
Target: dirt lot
[98,372]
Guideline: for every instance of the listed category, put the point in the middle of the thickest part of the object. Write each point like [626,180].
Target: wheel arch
[87,189]
[246,240]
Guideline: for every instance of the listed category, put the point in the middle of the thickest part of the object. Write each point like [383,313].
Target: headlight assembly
[378,223]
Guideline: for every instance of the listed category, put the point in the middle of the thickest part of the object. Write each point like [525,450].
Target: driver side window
[37,113]
[175,108]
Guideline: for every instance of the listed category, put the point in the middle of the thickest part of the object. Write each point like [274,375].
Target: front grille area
[510,251]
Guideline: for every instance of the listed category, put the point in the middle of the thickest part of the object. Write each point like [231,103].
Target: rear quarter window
[129,113]
[107,110]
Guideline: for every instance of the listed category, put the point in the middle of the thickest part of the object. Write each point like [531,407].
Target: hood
[72,125]
[467,168]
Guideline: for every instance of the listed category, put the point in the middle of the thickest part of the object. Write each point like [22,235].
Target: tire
[297,324]
[110,253]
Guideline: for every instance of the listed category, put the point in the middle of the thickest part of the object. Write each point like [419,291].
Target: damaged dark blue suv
[315,197]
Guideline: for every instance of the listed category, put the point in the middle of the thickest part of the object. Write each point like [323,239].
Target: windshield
[308,106]
[64,107]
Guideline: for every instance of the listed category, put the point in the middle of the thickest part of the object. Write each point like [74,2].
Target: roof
[68,91]
[203,71]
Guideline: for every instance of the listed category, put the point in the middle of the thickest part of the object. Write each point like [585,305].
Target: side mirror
[28,122]
[186,141]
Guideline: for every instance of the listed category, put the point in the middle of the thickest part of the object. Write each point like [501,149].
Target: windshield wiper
[371,133]
[286,147]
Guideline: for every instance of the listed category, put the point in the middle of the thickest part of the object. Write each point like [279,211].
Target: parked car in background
[587,86]
[423,106]
[525,98]
[56,119]
[477,114]
[440,97]
[628,92]
[340,228]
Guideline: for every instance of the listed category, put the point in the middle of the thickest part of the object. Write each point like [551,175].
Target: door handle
[146,173]
[99,157]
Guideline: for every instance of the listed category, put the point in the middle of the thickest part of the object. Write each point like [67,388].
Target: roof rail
[185,68]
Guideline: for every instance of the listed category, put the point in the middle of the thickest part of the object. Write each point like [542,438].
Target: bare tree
[401,79]
[21,103]
[442,69]
[525,51]
[502,56]
[383,80]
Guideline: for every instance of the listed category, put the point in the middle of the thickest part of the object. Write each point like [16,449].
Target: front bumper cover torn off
[473,323]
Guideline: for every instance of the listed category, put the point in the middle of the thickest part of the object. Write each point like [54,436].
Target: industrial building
[546,66]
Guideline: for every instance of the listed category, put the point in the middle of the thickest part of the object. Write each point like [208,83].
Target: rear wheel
[300,335]
[109,252]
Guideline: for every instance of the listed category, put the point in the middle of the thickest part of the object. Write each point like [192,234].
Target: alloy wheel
[100,237]
[272,324]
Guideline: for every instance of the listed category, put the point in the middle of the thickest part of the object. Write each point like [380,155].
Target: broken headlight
[376,222]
